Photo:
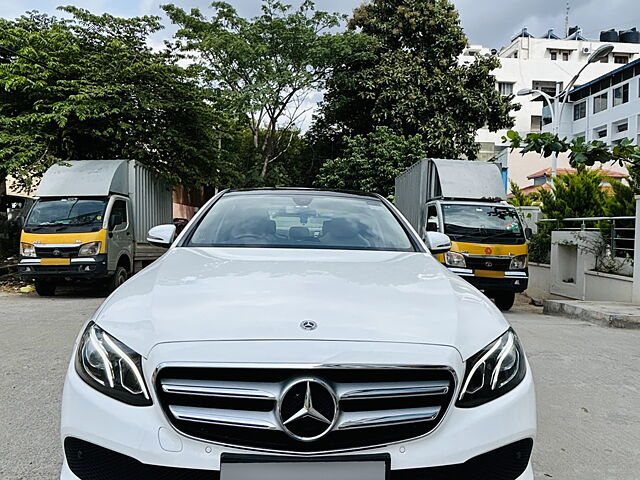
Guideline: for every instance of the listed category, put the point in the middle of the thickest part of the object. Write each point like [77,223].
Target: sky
[491,23]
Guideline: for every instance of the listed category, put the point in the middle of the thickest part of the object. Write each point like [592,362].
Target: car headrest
[341,228]
[299,233]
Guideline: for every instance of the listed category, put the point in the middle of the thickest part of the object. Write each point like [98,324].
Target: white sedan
[298,334]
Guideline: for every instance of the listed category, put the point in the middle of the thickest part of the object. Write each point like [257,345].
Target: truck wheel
[505,300]
[117,279]
[45,289]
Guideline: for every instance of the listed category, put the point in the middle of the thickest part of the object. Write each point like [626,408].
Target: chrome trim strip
[386,418]
[208,388]
[489,257]
[461,271]
[348,391]
[516,274]
[30,261]
[229,418]
[83,260]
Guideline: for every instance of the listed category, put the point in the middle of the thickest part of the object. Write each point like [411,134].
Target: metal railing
[621,237]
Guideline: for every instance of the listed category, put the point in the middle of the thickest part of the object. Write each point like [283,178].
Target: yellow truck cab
[89,223]
[466,201]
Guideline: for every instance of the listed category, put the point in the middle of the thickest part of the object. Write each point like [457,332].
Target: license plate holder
[351,467]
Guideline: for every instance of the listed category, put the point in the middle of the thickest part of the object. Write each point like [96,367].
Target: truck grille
[239,406]
[57,252]
[500,264]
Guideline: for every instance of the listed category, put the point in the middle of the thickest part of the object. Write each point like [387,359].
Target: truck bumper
[78,268]
[511,282]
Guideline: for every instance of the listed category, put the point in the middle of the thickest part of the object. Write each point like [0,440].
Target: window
[546,115]
[565,57]
[600,102]
[289,219]
[66,215]
[623,59]
[536,123]
[622,127]
[554,55]
[548,87]
[505,88]
[474,223]
[579,110]
[621,95]
[601,133]
[119,209]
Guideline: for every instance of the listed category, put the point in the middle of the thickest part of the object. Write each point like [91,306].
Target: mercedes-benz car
[289,334]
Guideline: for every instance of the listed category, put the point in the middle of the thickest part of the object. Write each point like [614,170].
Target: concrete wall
[607,287]
[539,280]
[571,257]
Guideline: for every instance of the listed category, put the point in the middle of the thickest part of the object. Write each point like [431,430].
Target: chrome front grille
[239,407]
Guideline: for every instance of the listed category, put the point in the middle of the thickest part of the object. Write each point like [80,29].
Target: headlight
[518,263]
[27,249]
[454,259]
[111,367]
[90,249]
[492,372]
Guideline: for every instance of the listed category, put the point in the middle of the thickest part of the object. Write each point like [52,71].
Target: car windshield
[301,220]
[66,214]
[482,223]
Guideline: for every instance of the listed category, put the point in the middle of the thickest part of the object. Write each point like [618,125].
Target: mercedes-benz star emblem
[308,325]
[307,409]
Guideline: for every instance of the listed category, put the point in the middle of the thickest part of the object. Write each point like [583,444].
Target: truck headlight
[455,259]
[27,249]
[111,367]
[518,263]
[494,371]
[90,249]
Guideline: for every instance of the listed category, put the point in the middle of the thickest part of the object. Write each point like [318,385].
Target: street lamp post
[556,119]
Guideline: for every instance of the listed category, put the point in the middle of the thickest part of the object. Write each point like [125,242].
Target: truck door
[119,237]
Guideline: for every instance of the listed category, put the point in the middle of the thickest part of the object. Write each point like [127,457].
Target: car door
[119,236]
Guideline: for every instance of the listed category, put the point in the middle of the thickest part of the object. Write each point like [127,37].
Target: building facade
[546,63]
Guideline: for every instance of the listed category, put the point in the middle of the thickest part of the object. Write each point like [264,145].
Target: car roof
[300,190]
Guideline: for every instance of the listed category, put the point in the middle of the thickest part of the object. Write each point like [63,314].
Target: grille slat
[238,406]
[62,251]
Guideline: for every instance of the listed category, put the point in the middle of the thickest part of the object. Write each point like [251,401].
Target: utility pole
[566,20]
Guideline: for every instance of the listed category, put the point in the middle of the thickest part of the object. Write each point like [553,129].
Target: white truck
[90,223]
[466,201]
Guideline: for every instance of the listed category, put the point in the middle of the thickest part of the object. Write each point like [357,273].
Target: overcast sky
[488,22]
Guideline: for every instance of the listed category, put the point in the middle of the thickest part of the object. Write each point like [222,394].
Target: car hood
[219,294]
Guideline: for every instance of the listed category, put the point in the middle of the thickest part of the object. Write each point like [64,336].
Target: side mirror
[528,233]
[162,235]
[438,242]
[114,221]
[20,221]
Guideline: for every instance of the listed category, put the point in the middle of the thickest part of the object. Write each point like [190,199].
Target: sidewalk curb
[599,313]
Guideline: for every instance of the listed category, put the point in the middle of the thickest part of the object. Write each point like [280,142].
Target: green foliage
[580,151]
[92,88]
[403,73]
[519,199]
[371,162]
[264,67]
[540,248]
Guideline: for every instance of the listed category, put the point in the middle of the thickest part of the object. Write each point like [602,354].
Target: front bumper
[78,268]
[516,281]
[143,438]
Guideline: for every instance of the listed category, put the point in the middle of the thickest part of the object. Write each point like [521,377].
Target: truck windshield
[482,224]
[66,215]
[301,220]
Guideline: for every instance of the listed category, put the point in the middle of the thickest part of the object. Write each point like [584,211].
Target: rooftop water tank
[609,36]
[630,36]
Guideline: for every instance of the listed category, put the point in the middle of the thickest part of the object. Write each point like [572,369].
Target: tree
[266,66]
[372,162]
[519,199]
[92,88]
[404,73]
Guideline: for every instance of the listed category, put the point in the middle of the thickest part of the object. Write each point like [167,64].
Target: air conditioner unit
[586,50]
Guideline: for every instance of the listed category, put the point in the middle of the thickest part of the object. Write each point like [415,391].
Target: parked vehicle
[292,334]
[89,223]
[465,200]
[13,210]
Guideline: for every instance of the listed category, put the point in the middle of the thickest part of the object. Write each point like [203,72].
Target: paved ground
[588,384]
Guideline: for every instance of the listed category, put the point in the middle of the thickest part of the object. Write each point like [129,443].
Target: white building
[543,63]
[606,109]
